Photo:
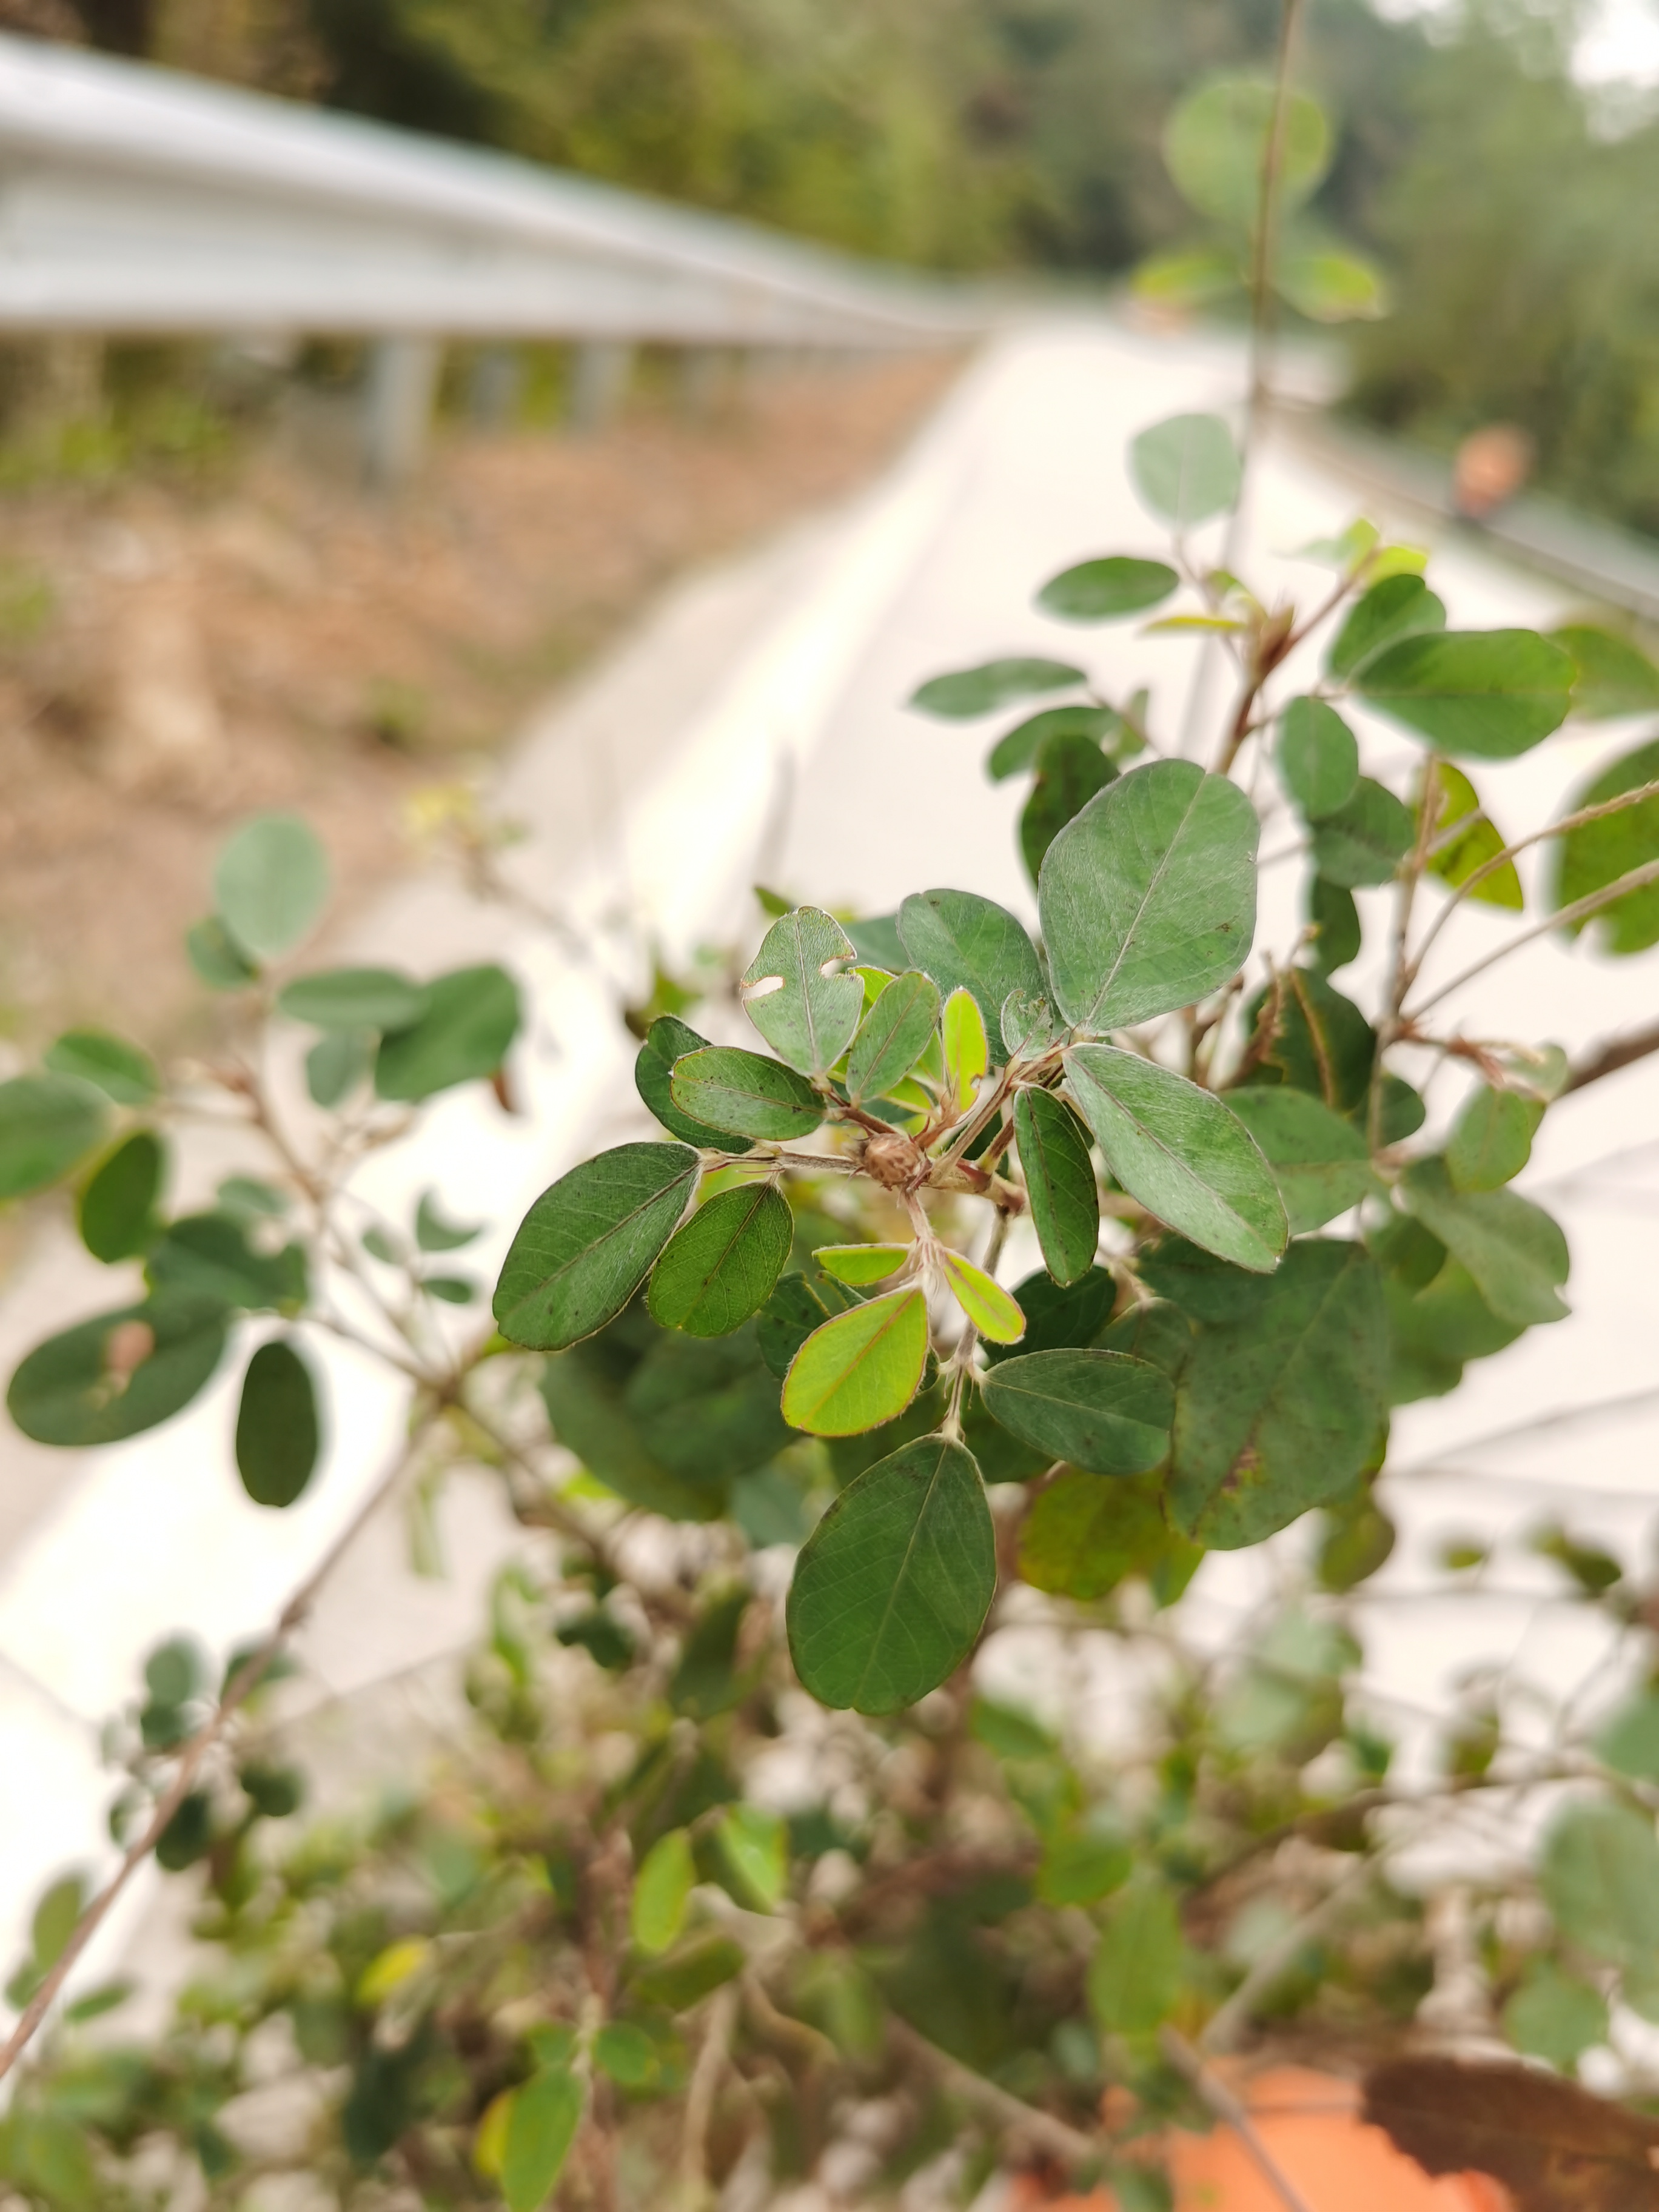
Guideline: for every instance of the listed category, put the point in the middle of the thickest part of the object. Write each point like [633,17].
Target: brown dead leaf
[1554,2146]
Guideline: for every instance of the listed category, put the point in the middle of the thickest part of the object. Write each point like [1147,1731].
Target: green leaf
[55,1919]
[667,1041]
[718,1267]
[1104,590]
[1083,1537]
[250,1200]
[1069,772]
[724,1088]
[892,1587]
[1613,678]
[662,1891]
[117,1375]
[1135,1976]
[965,1049]
[587,1403]
[1017,749]
[1598,1873]
[270,884]
[454,1289]
[626,2054]
[1318,757]
[892,1036]
[471,1017]
[967,943]
[541,2126]
[969,691]
[433,1234]
[354,998]
[1490,694]
[1060,1183]
[1330,287]
[116,1212]
[207,1256]
[860,1263]
[755,1845]
[1455,861]
[1364,842]
[1080,1868]
[860,1369]
[798,1305]
[47,1123]
[1554,2017]
[1319,1161]
[1629,1743]
[877,942]
[119,1070]
[1198,278]
[338,1064]
[1359,1541]
[798,994]
[586,1243]
[1598,854]
[1513,1250]
[1437,1327]
[218,960]
[1185,1156]
[992,1310]
[1397,607]
[1332,911]
[1148,898]
[1101,1411]
[1280,1409]
[1491,1139]
[1187,469]
[279,1434]
[1324,1043]
[705,1408]
[1216,142]
[687,1976]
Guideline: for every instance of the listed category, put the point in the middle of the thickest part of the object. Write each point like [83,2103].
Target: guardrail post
[495,386]
[398,398]
[599,372]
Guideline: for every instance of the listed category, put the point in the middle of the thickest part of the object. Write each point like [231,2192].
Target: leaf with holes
[1185,1156]
[892,1587]
[969,942]
[797,994]
[720,1267]
[725,1088]
[1101,1411]
[1148,897]
[120,1374]
[1060,1183]
[586,1243]
[892,1036]
[860,1369]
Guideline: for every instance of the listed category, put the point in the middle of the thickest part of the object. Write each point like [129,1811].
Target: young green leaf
[354,998]
[335,1065]
[718,1267]
[755,1846]
[662,1891]
[967,1048]
[1515,1253]
[1082,1536]
[542,2123]
[218,960]
[966,692]
[270,884]
[1148,898]
[279,1434]
[116,1376]
[1363,841]
[1178,1150]
[1281,1408]
[797,992]
[1491,1139]
[1060,1183]
[1613,678]
[1017,749]
[119,1070]
[725,1088]
[861,1263]
[667,1041]
[1069,772]
[1135,1978]
[892,1036]
[1187,469]
[1101,1411]
[471,1017]
[892,1587]
[584,1246]
[1397,607]
[116,1212]
[1104,589]
[47,1123]
[1319,1161]
[1217,139]
[967,943]
[860,1369]
[626,2054]
[992,1310]
[1598,854]
[433,1233]
[1490,694]
[1318,757]
[1456,859]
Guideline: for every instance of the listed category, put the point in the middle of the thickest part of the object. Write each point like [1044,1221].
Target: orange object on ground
[1311,2125]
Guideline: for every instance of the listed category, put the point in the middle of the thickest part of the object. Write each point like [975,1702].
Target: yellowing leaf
[861,1263]
[391,1968]
[860,1369]
[489,2142]
[967,1052]
[662,1890]
[992,1310]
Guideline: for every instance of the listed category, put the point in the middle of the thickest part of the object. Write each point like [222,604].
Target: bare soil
[172,658]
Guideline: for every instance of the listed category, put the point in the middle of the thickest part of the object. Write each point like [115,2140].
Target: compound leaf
[583,1249]
[860,1369]
[720,1267]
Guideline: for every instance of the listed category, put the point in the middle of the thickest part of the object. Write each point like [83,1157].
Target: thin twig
[1226,2106]
[700,2097]
[1608,1060]
[1633,879]
[1054,2136]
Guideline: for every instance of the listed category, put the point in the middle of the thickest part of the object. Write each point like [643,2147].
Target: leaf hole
[761,988]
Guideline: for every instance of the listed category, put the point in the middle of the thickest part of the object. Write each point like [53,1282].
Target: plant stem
[1633,879]
[1226,2106]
